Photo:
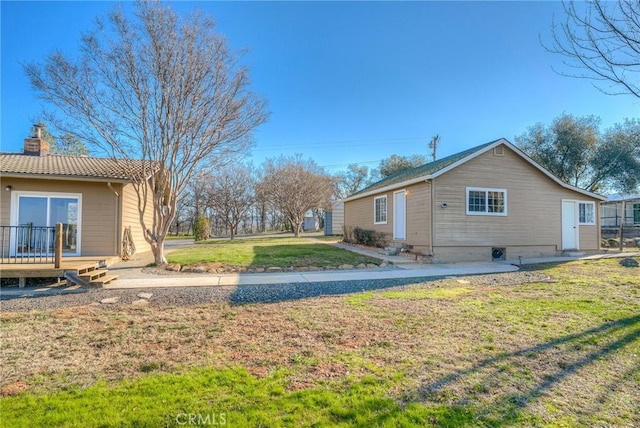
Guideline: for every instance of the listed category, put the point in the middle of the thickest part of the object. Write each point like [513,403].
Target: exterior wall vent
[498,254]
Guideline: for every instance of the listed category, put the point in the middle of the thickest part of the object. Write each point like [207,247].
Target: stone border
[217,268]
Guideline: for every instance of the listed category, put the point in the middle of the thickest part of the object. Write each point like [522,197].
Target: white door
[569,225]
[399,215]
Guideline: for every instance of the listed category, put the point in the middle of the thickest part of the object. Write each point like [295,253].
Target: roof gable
[432,170]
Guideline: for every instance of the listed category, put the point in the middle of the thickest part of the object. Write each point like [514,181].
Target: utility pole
[433,145]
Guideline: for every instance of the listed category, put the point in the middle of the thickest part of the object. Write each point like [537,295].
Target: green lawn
[266,252]
[558,349]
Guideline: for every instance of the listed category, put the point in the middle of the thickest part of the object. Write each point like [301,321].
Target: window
[587,213]
[636,213]
[380,210]
[482,201]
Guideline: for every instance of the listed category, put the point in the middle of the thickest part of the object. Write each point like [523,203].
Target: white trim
[486,190]
[468,158]
[386,209]
[386,188]
[13,216]
[395,216]
[590,223]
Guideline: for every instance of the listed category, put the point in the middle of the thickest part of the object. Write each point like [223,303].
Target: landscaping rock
[628,262]
[392,251]
[140,302]
[274,269]
[384,264]
[361,266]
[109,300]
[302,269]
[173,267]
[604,243]
[314,268]
[345,267]
[258,270]
[145,295]
[372,266]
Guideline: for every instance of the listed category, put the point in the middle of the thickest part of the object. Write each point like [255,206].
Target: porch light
[8,188]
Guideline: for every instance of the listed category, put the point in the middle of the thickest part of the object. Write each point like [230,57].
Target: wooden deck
[81,266]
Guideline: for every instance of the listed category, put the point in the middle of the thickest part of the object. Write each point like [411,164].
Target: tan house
[92,197]
[488,202]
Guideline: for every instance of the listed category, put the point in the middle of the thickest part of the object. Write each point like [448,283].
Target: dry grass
[564,352]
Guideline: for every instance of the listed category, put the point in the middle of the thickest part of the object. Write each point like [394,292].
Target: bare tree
[231,193]
[295,186]
[161,89]
[603,40]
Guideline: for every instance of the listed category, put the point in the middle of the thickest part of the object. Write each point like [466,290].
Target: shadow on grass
[274,293]
[305,254]
[576,351]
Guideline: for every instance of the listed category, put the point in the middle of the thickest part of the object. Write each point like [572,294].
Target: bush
[201,229]
[368,237]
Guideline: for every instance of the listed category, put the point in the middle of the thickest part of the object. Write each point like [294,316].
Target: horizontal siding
[99,210]
[534,206]
[359,213]
[131,217]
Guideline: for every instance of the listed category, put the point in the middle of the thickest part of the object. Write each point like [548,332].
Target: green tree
[395,164]
[354,179]
[574,150]
[159,93]
[69,145]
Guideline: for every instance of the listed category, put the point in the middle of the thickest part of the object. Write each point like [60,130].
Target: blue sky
[353,82]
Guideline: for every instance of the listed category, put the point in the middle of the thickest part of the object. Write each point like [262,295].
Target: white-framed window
[380,210]
[35,211]
[587,213]
[484,201]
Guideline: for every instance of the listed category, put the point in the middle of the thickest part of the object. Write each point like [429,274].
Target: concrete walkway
[208,280]
[406,268]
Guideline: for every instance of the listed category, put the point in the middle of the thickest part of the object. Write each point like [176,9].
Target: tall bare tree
[231,193]
[602,39]
[158,88]
[295,186]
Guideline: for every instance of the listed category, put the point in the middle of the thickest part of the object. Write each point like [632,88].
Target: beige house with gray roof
[92,197]
[488,202]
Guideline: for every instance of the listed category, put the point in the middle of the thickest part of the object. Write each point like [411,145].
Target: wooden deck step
[93,275]
[104,279]
[82,270]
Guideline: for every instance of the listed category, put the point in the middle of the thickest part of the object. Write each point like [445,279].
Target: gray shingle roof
[423,170]
[81,167]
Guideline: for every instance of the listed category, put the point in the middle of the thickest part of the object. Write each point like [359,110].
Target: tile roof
[423,170]
[80,167]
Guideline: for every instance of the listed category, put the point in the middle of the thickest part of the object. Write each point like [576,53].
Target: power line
[344,143]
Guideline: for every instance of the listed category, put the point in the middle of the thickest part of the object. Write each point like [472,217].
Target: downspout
[433,198]
[116,220]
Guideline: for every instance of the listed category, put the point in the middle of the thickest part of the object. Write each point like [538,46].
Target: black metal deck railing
[27,244]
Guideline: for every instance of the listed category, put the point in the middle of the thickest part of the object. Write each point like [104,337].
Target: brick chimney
[36,145]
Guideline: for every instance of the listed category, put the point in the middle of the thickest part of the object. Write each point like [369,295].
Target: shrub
[201,229]
[368,237]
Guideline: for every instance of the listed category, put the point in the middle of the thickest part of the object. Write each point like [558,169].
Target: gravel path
[187,296]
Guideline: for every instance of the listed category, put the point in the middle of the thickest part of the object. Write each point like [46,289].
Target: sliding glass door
[37,214]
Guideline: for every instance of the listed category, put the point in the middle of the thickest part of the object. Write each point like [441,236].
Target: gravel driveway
[245,294]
